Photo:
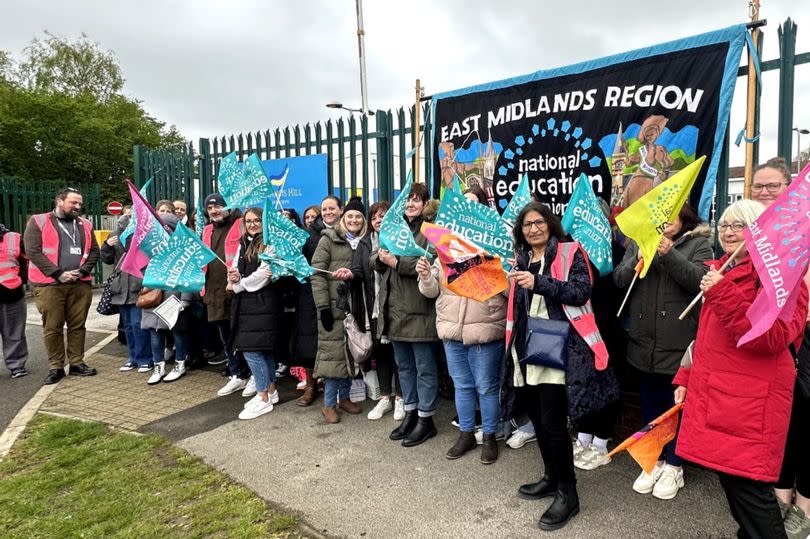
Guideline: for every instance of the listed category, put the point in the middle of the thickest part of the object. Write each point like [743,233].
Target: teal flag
[130,229]
[395,234]
[522,196]
[178,264]
[252,187]
[586,223]
[478,223]
[230,171]
[286,242]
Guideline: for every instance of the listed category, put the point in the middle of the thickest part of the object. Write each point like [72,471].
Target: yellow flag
[645,220]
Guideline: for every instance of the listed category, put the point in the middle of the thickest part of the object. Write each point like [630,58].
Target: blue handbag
[546,341]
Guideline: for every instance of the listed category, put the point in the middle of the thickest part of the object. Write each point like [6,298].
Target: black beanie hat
[216,199]
[356,204]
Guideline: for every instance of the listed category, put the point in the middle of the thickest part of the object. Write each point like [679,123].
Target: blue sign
[305,183]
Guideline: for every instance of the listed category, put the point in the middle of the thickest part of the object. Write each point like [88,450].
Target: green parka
[408,315]
[333,252]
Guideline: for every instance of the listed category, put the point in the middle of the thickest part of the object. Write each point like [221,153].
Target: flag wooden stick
[639,266]
[752,104]
[721,270]
[417,131]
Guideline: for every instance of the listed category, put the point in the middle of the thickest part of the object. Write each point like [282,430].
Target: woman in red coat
[737,400]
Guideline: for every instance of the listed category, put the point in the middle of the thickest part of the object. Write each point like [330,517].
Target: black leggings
[599,423]
[753,505]
[387,372]
[796,466]
[547,407]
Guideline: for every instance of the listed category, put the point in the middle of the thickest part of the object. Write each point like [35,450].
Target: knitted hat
[214,199]
[169,219]
[356,204]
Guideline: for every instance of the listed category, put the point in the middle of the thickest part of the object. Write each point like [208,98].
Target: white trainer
[578,449]
[144,368]
[178,371]
[399,409]
[479,436]
[234,384]
[128,366]
[256,407]
[250,388]
[670,482]
[157,373]
[520,438]
[591,458]
[645,482]
[383,407]
[274,398]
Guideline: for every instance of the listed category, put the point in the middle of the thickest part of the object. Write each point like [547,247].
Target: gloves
[327,320]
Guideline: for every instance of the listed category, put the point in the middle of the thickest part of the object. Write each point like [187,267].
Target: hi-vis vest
[50,247]
[582,318]
[231,240]
[9,263]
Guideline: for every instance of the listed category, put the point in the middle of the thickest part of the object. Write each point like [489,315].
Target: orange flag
[467,269]
[645,445]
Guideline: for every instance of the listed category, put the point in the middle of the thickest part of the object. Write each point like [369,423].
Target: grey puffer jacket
[124,287]
[408,315]
[657,339]
[463,319]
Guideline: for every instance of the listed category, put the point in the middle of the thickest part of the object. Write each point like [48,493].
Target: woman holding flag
[256,315]
[472,332]
[737,399]
[552,282]
[657,338]
[334,256]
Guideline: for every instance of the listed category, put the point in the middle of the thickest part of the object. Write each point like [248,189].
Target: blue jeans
[476,370]
[334,388]
[138,340]
[658,396]
[263,367]
[237,366]
[418,376]
[158,338]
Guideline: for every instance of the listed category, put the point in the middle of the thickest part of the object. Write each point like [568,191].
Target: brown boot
[330,414]
[310,393]
[350,407]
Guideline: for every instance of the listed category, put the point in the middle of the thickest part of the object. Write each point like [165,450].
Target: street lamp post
[799,133]
[339,105]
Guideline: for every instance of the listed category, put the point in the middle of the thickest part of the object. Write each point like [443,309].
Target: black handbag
[105,306]
[546,341]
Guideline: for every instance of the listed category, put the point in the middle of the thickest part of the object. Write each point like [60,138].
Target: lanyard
[65,230]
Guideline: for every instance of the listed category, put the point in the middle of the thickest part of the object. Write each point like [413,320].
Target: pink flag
[135,259]
[779,245]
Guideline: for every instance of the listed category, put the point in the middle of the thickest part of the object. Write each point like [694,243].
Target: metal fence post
[384,183]
[206,180]
[787,65]
[138,160]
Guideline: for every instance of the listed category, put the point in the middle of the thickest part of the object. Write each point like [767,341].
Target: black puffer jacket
[305,344]
[256,317]
[657,340]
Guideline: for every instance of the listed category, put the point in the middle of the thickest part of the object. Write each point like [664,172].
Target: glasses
[771,187]
[736,227]
[539,223]
[253,221]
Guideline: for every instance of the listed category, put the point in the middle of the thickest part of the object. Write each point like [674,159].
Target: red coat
[737,408]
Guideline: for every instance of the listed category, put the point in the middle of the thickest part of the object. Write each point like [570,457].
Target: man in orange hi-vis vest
[63,252]
[12,302]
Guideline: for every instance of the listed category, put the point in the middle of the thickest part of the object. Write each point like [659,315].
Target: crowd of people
[746,413]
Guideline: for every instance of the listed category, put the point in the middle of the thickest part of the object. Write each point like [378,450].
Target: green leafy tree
[62,117]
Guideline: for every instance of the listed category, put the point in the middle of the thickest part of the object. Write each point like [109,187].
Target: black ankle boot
[535,491]
[564,507]
[407,425]
[489,450]
[422,432]
[466,442]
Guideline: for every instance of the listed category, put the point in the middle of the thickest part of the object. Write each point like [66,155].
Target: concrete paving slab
[350,480]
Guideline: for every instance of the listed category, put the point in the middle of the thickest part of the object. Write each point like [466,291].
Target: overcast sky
[220,67]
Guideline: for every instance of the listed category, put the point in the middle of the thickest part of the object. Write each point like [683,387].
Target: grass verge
[67,478]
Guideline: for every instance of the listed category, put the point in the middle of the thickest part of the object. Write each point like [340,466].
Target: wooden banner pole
[751,109]
[417,128]
[721,270]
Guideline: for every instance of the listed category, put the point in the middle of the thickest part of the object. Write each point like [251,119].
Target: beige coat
[463,319]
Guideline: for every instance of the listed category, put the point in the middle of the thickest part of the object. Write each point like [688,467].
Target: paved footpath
[349,480]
